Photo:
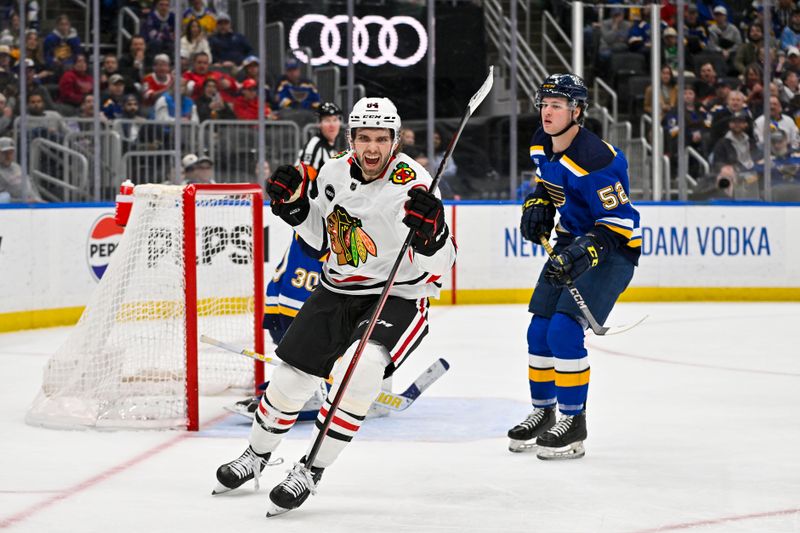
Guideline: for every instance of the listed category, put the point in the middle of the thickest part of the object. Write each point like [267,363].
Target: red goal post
[190,262]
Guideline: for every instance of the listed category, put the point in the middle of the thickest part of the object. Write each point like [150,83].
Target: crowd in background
[724,90]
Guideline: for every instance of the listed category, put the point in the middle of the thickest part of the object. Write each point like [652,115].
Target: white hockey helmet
[375,113]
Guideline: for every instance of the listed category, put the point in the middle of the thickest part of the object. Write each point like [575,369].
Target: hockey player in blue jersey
[598,241]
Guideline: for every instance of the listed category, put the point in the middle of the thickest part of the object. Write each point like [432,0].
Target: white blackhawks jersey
[362,224]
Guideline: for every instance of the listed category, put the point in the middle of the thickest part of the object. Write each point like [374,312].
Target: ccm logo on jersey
[403,174]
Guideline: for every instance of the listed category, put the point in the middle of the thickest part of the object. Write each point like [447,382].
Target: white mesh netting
[124,364]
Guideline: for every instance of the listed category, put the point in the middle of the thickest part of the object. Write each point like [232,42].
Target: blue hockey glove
[538,215]
[584,253]
[425,215]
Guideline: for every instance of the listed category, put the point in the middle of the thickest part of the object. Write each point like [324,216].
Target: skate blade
[239,412]
[220,489]
[522,446]
[571,451]
[276,511]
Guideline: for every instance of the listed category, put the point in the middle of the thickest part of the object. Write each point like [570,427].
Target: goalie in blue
[598,242]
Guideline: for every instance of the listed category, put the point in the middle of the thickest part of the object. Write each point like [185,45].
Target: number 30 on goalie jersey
[296,276]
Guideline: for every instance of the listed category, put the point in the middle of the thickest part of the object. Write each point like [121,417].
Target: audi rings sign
[332,30]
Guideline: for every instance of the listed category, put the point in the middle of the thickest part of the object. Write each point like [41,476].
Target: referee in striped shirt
[321,146]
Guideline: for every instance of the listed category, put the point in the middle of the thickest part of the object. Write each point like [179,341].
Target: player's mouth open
[372,161]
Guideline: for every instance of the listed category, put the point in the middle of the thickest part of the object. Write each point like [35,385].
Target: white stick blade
[614,330]
[479,96]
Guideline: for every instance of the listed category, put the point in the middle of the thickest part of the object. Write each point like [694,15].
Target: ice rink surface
[693,425]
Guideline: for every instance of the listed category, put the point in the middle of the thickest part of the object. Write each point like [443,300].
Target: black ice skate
[239,471]
[246,407]
[565,439]
[294,490]
[523,435]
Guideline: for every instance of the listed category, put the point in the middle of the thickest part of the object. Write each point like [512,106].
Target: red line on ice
[689,525]
[99,478]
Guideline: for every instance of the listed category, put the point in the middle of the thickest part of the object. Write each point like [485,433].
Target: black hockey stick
[474,102]
[576,295]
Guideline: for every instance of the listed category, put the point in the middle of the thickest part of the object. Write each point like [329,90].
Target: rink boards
[52,256]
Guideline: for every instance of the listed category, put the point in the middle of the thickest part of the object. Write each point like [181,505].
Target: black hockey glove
[538,216]
[425,215]
[287,190]
[584,253]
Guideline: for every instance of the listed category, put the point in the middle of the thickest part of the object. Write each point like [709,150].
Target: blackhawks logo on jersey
[349,242]
[403,174]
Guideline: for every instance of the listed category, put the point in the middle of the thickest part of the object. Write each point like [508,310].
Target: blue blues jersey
[296,276]
[589,186]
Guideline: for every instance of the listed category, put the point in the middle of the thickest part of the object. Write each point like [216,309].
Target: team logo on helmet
[349,242]
[104,237]
[403,174]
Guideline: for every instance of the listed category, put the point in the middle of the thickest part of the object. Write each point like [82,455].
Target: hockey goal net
[190,261]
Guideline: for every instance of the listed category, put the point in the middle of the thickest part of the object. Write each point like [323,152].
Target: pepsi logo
[104,238]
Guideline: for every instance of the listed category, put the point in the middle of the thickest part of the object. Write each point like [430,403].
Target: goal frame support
[190,193]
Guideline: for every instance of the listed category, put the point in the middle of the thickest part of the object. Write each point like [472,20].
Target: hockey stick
[576,295]
[395,402]
[236,349]
[474,102]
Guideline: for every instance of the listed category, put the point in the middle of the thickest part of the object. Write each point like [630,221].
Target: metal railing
[549,25]
[612,94]
[233,145]
[148,166]
[58,173]
[125,36]
[531,71]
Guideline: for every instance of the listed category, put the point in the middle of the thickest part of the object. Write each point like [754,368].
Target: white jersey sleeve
[361,223]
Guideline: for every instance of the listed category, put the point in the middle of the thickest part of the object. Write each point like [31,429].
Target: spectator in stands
[249,69]
[695,31]
[108,68]
[724,37]
[61,46]
[9,82]
[752,87]
[791,33]
[669,53]
[10,35]
[211,106]
[45,122]
[112,102]
[197,169]
[5,58]
[205,15]
[790,87]
[75,82]
[132,123]
[6,116]
[84,120]
[736,103]
[782,14]
[792,60]
[14,187]
[297,98]
[613,37]
[165,106]
[34,83]
[705,87]
[159,81]
[639,34]
[721,91]
[196,77]
[159,30]
[31,13]
[696,131]
[668,94]
[747,53]
[33,51]
[779,121]
[228,48]
[194,40]
[185,61]
[132,64]
[408,141]
[246,106]
[737,147]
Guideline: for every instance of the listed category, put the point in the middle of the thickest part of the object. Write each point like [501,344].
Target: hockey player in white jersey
[361,207]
